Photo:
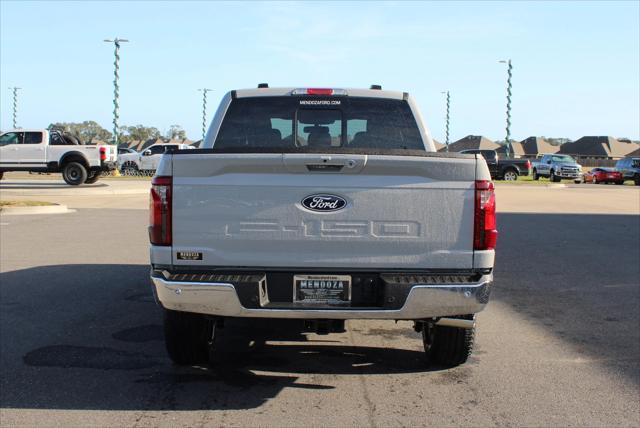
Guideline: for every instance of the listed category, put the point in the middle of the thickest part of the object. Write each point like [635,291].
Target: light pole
[15,106]
[116,88]
[447,125]
[509,74]
[204,109]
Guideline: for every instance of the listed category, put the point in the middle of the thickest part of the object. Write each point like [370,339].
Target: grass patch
[528,179]
[25,204]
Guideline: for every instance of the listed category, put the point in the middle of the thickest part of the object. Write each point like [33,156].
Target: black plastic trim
[237,270]
[313,150]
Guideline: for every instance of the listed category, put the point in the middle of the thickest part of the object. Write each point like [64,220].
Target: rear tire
[510,175]
[535,175]
[188,337]
[636,180]
[448,346]
[93,177]
[74,173]
[129,168]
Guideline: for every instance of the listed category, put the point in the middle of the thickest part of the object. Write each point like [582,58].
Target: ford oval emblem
[324,202]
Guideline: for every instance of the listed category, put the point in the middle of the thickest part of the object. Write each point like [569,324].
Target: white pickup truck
[41,150]
[133,163]
[321,205]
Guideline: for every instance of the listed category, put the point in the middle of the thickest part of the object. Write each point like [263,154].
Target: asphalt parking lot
[559,345]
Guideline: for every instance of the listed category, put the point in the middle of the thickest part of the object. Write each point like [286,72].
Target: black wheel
[636,180]
[93,177]
[188,337]
[620,182]
[510,175]
[74,173]
[129,168]
[447,346]
[71,139]
[554,178]
[535,175]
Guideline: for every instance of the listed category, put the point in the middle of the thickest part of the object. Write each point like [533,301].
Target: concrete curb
[53,188]
[43,209]
[529,186]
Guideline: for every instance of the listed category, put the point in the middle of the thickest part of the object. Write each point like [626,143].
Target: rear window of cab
[291,123]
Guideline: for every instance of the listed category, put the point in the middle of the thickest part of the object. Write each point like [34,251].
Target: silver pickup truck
[557,167]
[321,205]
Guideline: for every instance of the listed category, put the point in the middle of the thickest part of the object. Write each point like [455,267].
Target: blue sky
[576,64]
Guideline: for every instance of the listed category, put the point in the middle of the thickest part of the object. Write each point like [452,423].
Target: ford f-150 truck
[52,151]
[557,167]
[146,162]
[503,169]
[321,205]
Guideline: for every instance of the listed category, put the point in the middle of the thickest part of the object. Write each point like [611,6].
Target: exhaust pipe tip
[456,322]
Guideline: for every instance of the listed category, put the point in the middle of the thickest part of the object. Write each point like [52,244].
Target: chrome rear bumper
[424,301]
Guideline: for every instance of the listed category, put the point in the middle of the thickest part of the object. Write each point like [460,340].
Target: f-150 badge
[324,202]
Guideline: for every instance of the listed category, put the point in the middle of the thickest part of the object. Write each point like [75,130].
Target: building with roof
[597,147]
[150,142]
[471,142]
[515,149]
[439,145]
[635,153]
[532,147]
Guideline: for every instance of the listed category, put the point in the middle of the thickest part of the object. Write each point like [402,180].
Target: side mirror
[548,162]
[146,153]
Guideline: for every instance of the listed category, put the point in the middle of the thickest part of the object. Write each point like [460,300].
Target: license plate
[322,289]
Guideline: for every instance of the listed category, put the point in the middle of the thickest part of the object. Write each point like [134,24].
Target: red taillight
[103,153]
[319,91]
[528,164]
[160,211]
[485,234]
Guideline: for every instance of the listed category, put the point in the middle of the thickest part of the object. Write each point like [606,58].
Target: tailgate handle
[323,167]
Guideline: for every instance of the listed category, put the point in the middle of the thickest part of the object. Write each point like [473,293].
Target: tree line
[89,130]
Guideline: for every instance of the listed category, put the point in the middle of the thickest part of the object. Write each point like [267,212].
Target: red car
[603,175]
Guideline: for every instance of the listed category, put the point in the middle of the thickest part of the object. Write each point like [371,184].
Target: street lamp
[116,88]
[447,126]
[509,74]
[15,106]
[204,109]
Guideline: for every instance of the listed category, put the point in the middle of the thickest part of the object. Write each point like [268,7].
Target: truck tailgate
[401,212]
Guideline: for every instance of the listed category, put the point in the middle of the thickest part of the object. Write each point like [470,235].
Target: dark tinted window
[487,154]
[331,122]
[635,163]
[32,137]
[11,138]
[155,150]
